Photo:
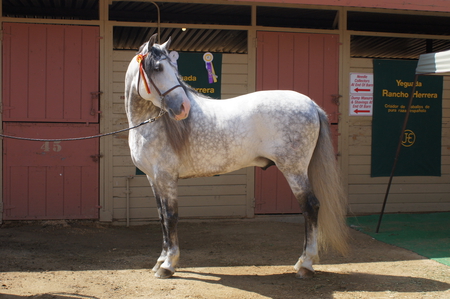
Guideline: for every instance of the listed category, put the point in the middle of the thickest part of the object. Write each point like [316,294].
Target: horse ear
[166,45]
[151,41]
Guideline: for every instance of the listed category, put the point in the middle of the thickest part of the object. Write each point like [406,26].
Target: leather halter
[140,58]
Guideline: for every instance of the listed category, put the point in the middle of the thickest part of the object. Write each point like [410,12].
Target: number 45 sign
[51,146]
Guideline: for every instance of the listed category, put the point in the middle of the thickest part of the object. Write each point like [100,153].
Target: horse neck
[139,110]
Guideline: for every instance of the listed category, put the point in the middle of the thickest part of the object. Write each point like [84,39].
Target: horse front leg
[304,266]
[163,256]
[166,199]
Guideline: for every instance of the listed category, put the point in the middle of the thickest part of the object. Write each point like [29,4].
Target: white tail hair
[326,183]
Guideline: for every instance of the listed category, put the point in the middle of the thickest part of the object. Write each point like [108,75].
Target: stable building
[63,68]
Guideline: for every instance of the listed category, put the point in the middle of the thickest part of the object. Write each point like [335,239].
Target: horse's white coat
[257,129]
[246,131]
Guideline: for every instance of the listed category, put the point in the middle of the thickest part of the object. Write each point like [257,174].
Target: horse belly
[217,163]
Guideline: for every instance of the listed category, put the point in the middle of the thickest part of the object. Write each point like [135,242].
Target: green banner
[202,71]
[420,153]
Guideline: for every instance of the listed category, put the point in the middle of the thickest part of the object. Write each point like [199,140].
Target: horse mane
[177,131]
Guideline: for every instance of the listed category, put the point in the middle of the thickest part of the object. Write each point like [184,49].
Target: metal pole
[159,21]
[399,146]
[128,192]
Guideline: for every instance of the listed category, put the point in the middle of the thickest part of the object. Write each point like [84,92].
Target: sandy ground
[219,259]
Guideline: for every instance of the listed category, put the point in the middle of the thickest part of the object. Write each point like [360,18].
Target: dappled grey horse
[195,136]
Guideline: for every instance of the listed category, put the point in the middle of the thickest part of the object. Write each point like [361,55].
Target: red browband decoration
[140,59]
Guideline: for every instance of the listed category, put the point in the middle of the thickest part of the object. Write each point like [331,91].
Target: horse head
[159,80]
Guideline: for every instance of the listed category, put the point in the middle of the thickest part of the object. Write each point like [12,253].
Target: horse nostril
[186,107]
[176,112]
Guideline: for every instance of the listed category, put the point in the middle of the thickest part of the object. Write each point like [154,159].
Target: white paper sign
[361,94]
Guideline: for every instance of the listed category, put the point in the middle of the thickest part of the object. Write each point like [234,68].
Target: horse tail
[326,183]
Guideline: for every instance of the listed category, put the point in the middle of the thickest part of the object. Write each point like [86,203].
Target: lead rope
[140,58]
[148,121]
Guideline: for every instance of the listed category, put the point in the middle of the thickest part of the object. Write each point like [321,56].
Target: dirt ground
[219,259]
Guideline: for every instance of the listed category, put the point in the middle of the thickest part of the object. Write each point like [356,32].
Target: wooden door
[307,63]
[50,86]
[49,73]
[50,180]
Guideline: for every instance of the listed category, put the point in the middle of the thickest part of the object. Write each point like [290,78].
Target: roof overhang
[434,64]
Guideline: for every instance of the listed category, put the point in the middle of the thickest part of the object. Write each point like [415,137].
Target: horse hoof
[157,266]
[164,273]
[304,273]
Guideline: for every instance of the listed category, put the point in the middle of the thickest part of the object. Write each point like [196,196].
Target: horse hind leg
[310,208]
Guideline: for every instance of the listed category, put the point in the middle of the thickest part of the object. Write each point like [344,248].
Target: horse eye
[158,67]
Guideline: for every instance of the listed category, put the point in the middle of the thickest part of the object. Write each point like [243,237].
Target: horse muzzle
[182,112]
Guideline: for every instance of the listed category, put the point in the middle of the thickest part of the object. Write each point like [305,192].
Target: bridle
[140,59]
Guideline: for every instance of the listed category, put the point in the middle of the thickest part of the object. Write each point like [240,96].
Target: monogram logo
[408,138]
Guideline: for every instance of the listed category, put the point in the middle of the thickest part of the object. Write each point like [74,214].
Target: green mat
[425,234]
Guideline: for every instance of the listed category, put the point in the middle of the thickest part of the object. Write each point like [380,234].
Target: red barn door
[50,73]
[307,63]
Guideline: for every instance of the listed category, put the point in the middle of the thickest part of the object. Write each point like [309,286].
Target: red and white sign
[361,94]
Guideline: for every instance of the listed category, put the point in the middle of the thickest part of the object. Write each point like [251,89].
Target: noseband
[140,59]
